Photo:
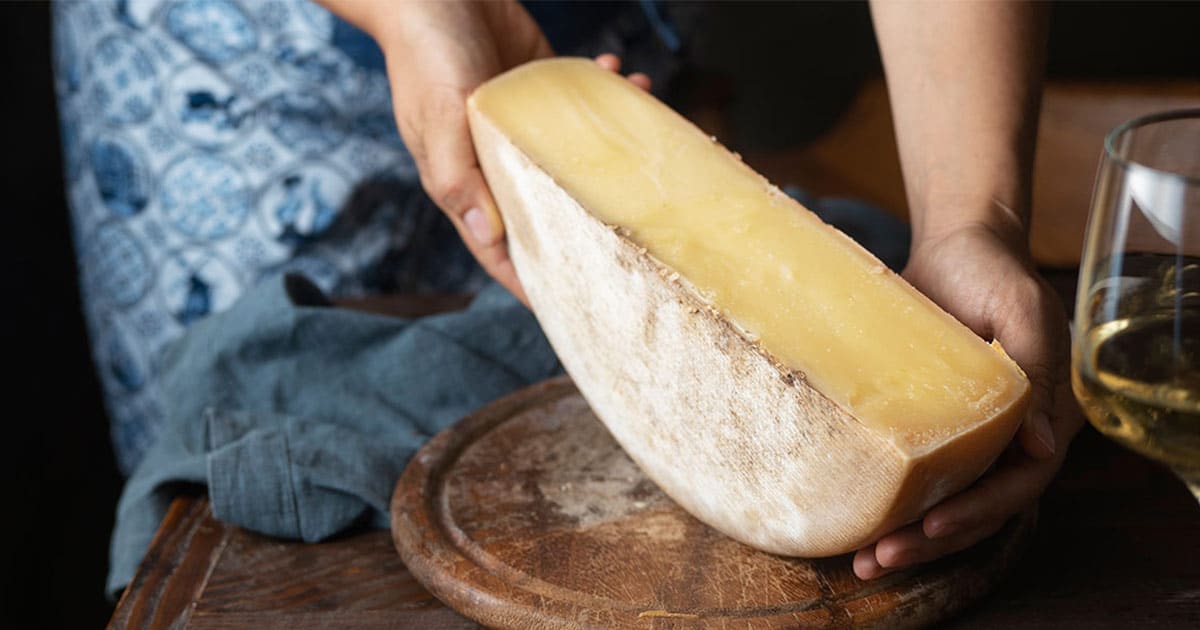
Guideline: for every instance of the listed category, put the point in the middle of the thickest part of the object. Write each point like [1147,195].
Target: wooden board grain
[527,514]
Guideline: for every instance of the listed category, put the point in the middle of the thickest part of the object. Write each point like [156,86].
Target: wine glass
[1135,364]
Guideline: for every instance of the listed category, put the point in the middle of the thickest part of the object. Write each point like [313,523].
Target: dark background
[791,62]
[60,483]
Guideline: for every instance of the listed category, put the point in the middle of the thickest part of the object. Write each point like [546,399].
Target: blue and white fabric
[209,144]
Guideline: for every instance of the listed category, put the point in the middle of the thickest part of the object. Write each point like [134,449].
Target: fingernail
[865,567]
[1042,430]
[943,529]
[899,559]
[479,226]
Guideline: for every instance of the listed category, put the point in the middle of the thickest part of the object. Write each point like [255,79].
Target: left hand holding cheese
[991,287]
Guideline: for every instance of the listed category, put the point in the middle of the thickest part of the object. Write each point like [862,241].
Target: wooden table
[1117,547]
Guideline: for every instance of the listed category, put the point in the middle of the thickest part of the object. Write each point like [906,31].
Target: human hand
[988,282]
[437,53]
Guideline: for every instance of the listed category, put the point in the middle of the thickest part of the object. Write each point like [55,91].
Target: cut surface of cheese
[823,308]
[675,282]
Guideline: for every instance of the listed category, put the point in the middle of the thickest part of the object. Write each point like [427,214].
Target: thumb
[468,204]
[452,177]
[1036,435]
[1032,341]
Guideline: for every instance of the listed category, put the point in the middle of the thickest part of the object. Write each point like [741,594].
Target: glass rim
[1142,121]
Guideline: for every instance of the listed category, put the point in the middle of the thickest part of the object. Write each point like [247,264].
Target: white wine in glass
[1136,340]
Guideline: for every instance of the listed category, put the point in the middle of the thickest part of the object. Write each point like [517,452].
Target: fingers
[910,546]
[966,518]
[1035,434]
[1008,489]
[612,63]
[609,62]
[1036,339]
[521,40]
[866,567]
[451,175]
[482,232]
[437,53]
[1035,352]
[500,267]
[979,511]
[640,80]
[450,171]
[979,280]
[977,276]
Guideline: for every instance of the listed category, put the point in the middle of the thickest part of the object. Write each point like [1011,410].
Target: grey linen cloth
[299,417]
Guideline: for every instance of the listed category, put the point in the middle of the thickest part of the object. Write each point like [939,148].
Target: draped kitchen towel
[299,417]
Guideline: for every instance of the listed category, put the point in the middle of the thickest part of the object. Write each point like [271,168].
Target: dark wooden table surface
[1116,546]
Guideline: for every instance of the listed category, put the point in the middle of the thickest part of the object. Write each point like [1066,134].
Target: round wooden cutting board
[527,514]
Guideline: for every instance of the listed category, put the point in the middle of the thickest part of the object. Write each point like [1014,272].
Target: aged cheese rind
[734,436]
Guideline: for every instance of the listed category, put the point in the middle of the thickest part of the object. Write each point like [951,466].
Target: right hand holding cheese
[437,54]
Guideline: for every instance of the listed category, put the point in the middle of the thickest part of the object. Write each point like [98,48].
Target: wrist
[992,218]
[1000,209]
[979,180]
[376,18]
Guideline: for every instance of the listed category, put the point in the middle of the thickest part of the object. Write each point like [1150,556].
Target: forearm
[965,85]
[369,16]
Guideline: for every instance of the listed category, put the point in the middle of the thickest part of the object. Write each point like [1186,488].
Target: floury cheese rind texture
[767,372]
